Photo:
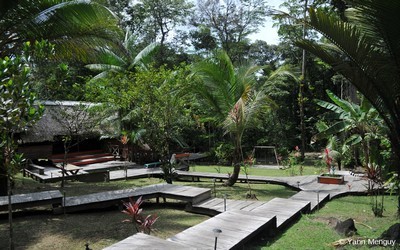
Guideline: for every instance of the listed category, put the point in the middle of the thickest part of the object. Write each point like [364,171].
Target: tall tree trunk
[3,181]
[395,140]
[237,158]
[301,91]
[10,217]
[234,176]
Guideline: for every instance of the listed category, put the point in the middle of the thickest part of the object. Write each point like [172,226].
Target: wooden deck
[20,201]
[114,198]
[53,174]
[237,228]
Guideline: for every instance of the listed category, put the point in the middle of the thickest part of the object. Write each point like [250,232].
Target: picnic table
[69,169]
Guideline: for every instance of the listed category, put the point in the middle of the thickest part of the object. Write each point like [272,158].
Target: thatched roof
[62,118]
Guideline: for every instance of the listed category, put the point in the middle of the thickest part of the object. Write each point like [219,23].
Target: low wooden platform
[53,174]
[114,198]
[135,173]
[237,228]
[142,241]
[20,201]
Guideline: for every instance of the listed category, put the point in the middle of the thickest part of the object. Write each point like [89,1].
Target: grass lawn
[102,228]
[39,229]
[307,170]
[313,232]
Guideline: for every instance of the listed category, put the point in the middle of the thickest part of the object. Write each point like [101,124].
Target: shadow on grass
[99,228]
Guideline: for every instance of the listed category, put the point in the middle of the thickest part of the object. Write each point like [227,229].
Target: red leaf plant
[147,224]
[133,210]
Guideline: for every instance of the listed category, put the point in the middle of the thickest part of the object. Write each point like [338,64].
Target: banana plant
[357,124]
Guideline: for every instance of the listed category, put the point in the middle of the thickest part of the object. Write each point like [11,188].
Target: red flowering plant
[133,210]
[328,161]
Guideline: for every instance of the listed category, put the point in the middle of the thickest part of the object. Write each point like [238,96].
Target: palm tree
[74,27]
[231,97]
[124,59]
[365,49]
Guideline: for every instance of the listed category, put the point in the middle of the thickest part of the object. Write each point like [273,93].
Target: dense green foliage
[149,86]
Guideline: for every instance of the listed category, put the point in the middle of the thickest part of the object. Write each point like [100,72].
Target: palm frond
[143,59]
[86,22]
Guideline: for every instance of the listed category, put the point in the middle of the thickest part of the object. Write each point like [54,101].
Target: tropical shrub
[142,224]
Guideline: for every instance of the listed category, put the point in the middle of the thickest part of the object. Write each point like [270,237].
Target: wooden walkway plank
[316,198]
[253,205]
[285,209]
[142,241]
[238,228]
[19,201]
[110,198]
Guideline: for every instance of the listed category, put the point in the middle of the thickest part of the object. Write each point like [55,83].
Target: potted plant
[330,177]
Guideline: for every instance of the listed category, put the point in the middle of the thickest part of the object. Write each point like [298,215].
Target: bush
[224,153]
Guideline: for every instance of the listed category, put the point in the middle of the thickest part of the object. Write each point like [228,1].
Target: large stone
[393,233]
[346,227]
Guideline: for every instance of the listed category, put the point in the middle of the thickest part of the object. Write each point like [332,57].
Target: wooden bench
[19,201]
[152,165]
[40,168]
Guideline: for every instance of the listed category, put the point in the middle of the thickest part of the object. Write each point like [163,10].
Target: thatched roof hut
[66,118]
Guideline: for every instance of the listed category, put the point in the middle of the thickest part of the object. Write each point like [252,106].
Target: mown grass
[260,171]
[101,228]
[312,231]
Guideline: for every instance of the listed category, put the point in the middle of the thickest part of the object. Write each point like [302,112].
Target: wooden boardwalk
[241,220]
[285,210]
[134,173]
[114,198]
[237,228]
[20,201]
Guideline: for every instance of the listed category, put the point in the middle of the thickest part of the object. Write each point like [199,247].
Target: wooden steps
[237,228]
[84,158]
